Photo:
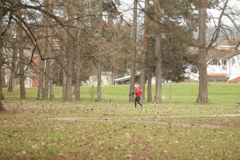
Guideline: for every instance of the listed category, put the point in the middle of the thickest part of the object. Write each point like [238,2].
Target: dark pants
[137,99]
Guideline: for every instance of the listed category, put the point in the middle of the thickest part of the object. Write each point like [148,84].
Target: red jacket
[138,92]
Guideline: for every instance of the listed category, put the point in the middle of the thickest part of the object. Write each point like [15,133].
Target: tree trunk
[21,70]
[149,98]
[11,82]
[203,88]
[1,57]
[99,94]
[46,80]
[64,78]
[150,60]
[77,83]
[40,81]
[142,81]
[99,79]
[113,76]
[50,63]
[79,61]
[158,58]
[51,83]
[133,55]
[70,46]
[68,96]
[21,62]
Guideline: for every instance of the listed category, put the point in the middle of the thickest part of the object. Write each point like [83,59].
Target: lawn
[175,129]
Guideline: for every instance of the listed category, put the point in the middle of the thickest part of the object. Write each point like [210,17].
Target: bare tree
[142,81]
[11,82]
[203,48]
[99,94]
[21,60]
[1,56]
[203,89]
[70,53]
[79,53]
[133,54]
[158,56]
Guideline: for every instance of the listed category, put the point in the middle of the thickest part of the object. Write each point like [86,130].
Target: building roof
[222,50]
[234,80]
[228,42]
[217,75]
[122,79]
[189,80]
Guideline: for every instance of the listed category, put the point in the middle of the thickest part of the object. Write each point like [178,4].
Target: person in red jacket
[138,93]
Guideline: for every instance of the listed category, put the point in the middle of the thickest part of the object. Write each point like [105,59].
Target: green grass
[30,128]
[181,92]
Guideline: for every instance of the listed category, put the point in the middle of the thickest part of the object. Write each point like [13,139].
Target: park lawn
[88,130]
[180,92]
[29,134]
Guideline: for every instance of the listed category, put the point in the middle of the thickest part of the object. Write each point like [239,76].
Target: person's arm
[131,94]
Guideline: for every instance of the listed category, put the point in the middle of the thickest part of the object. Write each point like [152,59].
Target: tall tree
[203,89]
[150,68]
[144,55]
[21,59]
[11,82]
[99,94]
[158,56]
[1,56]
[78,52]
[51,8]
[133,54]
[63,53]
[202,45]
[70,50]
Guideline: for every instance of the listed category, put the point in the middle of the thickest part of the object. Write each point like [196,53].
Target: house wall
[106,80]
[234,67]
[231,69]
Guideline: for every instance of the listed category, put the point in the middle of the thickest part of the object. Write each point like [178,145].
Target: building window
[215,62]
[224,62]
[233,61]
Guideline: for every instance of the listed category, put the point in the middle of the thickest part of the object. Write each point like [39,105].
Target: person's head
[135,86]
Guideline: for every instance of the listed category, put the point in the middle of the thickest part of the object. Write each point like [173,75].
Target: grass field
[175,129]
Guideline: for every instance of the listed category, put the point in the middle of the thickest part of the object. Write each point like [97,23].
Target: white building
[223,62]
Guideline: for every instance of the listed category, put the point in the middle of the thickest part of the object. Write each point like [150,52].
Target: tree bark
[149,97]
[40,81]
[64,59]
[50,53]
[11,82]
[41,84]
[150,59]
[77,85]
[1,56]
[70,46]
[79,53]
[158,57]
[133,55]
[203,88]
[99,79]
[51,83]
[21,61]
[68,96]
[142,81]
[46,80]
[64,78]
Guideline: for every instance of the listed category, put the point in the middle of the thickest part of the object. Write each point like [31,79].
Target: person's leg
[138,100]
[135,102]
